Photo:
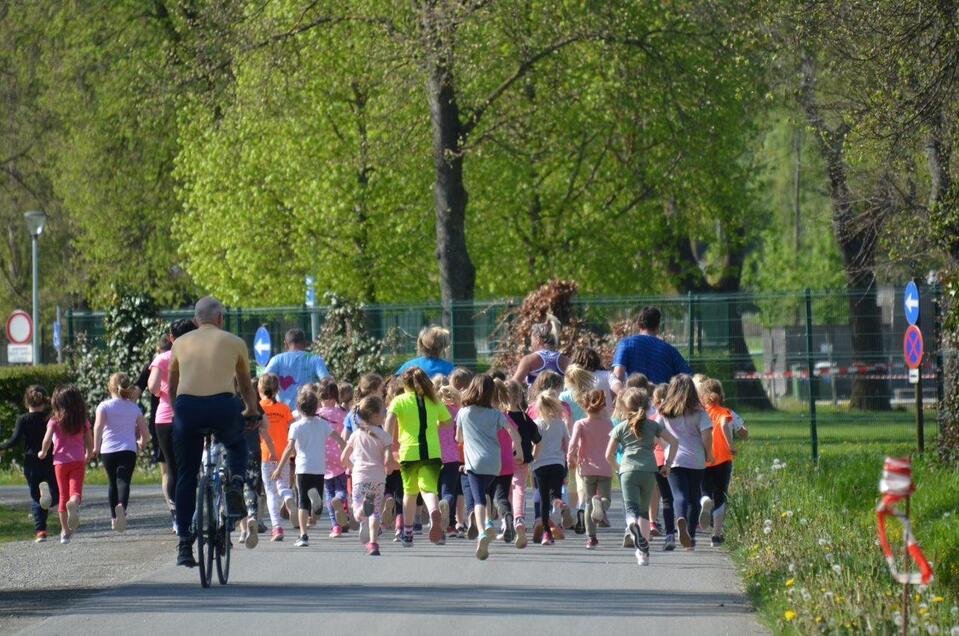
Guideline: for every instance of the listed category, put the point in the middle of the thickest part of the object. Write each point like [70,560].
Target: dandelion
[790,582]
[804,521]
[937,599]
[823,541]
[837,568]
[923,610]
[804,593]
[789,615]
[818,619]
[792,568]
[767,530]
[768,522]
[829,557]
[932,630]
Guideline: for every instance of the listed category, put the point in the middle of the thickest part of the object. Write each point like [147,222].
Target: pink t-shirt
[507,463]
[593,435]
[335,416]
[449,450]
[67,448]
[164,409]
[369,450]
[659,450]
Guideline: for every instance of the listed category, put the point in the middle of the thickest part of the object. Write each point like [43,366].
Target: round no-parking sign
[19,327]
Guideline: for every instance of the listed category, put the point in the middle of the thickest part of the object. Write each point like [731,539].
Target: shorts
[360,490]
[304,483]
[422,475]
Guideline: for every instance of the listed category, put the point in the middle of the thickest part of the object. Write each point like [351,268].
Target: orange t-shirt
[721,450]
[279,417]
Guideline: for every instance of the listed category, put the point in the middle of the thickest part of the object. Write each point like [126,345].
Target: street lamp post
[35,222]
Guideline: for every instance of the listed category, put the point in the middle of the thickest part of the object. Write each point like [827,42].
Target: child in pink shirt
[335,479]
[366,454]
[587,453]
[451,453]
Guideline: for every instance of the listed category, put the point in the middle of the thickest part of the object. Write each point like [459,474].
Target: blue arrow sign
[910,301]
[57,344]
[262,347]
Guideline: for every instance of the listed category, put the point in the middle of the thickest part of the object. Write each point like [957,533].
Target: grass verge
[16,524]
[95,476]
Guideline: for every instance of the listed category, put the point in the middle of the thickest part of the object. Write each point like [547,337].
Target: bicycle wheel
[223,544]
[205,531]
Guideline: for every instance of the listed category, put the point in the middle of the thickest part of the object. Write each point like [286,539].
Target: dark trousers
[194,415]
[119,466]
[37,471]
[667,494]
[165,438]
[549,480]
[499,492]
[686,484]
[334,487]
[716,483]
[451,486]
[254,472]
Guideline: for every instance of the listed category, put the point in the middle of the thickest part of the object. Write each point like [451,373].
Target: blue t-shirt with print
[294,369]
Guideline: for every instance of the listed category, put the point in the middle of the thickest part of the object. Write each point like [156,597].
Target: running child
[477,426]
[587,455]
[119,430]
[369,384]
[307,438]
[69,436]
[549,465]
[335,479]
[30,428]
[726,427]
[366,454]
[451,488]
[345,390]
[529,435]
[637,435]
[499,490]
[576,383]
[551,381]
[663,489]
[279,417]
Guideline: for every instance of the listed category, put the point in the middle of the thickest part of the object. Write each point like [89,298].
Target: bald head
[209,311]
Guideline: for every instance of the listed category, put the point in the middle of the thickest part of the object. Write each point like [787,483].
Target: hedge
[13,384]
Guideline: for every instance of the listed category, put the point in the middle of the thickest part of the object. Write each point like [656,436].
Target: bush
[345,344]
[13,384]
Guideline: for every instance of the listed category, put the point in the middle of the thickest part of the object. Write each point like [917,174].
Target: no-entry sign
[19,327]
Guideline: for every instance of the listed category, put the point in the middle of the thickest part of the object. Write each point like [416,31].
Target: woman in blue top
[543,340]
[431,344]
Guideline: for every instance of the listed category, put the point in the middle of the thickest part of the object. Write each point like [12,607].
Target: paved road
[432,589]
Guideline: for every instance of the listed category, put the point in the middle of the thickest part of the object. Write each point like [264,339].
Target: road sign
[57,344]
[310,292]
[19,327]
[19,354]
[913,376]
[912,347]
[262,347]
[910,302]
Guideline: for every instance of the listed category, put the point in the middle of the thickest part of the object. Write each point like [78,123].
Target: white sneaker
[339,511]
[365,532]
[64,539]
[482,547]
[706,516]
[252,534]
[444,514]
[642,558]
[45,499]
[73,515]
[121,520]
[302,542]
[597,513]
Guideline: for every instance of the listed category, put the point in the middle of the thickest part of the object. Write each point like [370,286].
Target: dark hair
[269,386]
[346,392]
[369,384]
[681,397]
[594,401]
[649,318]
[327,389]
[182,327]
[481,392]
[497,374]
[588,358]
[165,344]
[370,406]
[460,378]
[295,337]
[69,409]
[415,380]
[637,380]
[36,396]
[306,401]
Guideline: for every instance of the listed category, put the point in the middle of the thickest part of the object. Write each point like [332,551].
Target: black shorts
[304,482]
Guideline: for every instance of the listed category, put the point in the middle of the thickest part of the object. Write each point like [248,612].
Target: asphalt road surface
[108,583]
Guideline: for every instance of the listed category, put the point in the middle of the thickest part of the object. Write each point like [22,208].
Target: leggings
[550,481]
[518,490]
[254,466]
[165,438]
[70,482]
[667,494]
[37,471]
[276,490]
[499,492]
[119,467]
[602,486]
[451,486]
[686,484]
[335,487]
[304,483]
[637,488]
[716,484]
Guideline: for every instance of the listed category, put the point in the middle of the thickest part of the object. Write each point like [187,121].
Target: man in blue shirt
[296,367]
[647,353]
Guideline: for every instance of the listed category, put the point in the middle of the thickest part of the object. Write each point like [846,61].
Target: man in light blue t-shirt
[296,367]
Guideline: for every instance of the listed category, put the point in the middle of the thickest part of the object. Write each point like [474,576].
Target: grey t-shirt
[480,444]
[551,451]
[688,430]
[637,451]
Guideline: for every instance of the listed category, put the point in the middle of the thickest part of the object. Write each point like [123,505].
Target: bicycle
[212,523]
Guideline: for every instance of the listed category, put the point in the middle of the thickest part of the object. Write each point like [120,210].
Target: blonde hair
[121,385]
[711,392]
[549,407]
[501,398]
[547,331]
[578,380]
[681,397]
[516,395]
[439,380]
[659,394]
[545,381]
[635,407]
[460,378]
[594,401]
[368,407]
[449,395]
[699,379]
[432,341]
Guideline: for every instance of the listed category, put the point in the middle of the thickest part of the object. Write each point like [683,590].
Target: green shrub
[13,384]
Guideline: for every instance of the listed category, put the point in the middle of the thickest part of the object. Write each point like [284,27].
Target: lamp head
[35,221]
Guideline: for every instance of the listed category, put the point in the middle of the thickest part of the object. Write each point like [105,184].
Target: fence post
[691,327]
[937,338]
[813,433]
[70,325]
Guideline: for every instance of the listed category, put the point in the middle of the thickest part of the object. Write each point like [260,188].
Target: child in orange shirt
[726,426]
[279,416]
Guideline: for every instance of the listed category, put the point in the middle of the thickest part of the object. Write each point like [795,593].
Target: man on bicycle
[203,366]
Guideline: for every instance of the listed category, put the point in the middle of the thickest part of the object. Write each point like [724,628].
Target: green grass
[16,524]
[95,476]
[823,516]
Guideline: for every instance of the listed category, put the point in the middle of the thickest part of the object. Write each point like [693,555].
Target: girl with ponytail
[545,356]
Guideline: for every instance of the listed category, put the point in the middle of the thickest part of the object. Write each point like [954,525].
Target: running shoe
[547,538]
[490,529]
[472,531]
[669,543]
[336,532]
[451,533]
[277,535]
[290,504]
[521,536]
[120,522]
[642,558]
[303,541]
[389,512]
[354,524]
[580,527]
[558,533]
[398,537]
[556,515]
[509,533]
[45,499]
[628,540]
[706,516]
[65,539]
[597,512]
[684,538]
[252,535]
[261,527]
[73,515]
[339,511]
[591,543]
[444,514]
[537,531]
[482,548]
[604,522]
[655,530]
[406,539]
[417,528]
[638,539]
[365,533]
[460,531]
[369,504]
[567,517]
[41,537]
[373,549]
[316,500]
[717,541]
[437,535]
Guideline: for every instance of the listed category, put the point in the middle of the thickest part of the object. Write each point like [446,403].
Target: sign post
[912,349]
[19,337]
[262,348]
[311,305]
[58,337]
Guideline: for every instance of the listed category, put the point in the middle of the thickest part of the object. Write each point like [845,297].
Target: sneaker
[373,549]
[538,531]
[580,527]
[398,537]
[567,517]
[717,541]
[417,528]
[369,504]
[444,514]
[339,511]
[277,535]
[597,513]
[235,505]
[482,548]
[389,512]
[472,531]
[261,527]
[490,529]
[669,543]
[290,504]
[316,500]
[628,540]
[706,516]
[521,541]
[655,530]
[558,533]
[437,535]
[591,543]
[252,534]
[547,538]
[451,532]
[354,524]
[406,539]
[45,499]
[184,555]
[684,538]
[556,516]
[65,539]
[365,533]
[604,522]
[638,539]
[642,558]
[120,524]
[73,515]
[509,533]
[460,531]
[302,542]
[41,537]
[336,532]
